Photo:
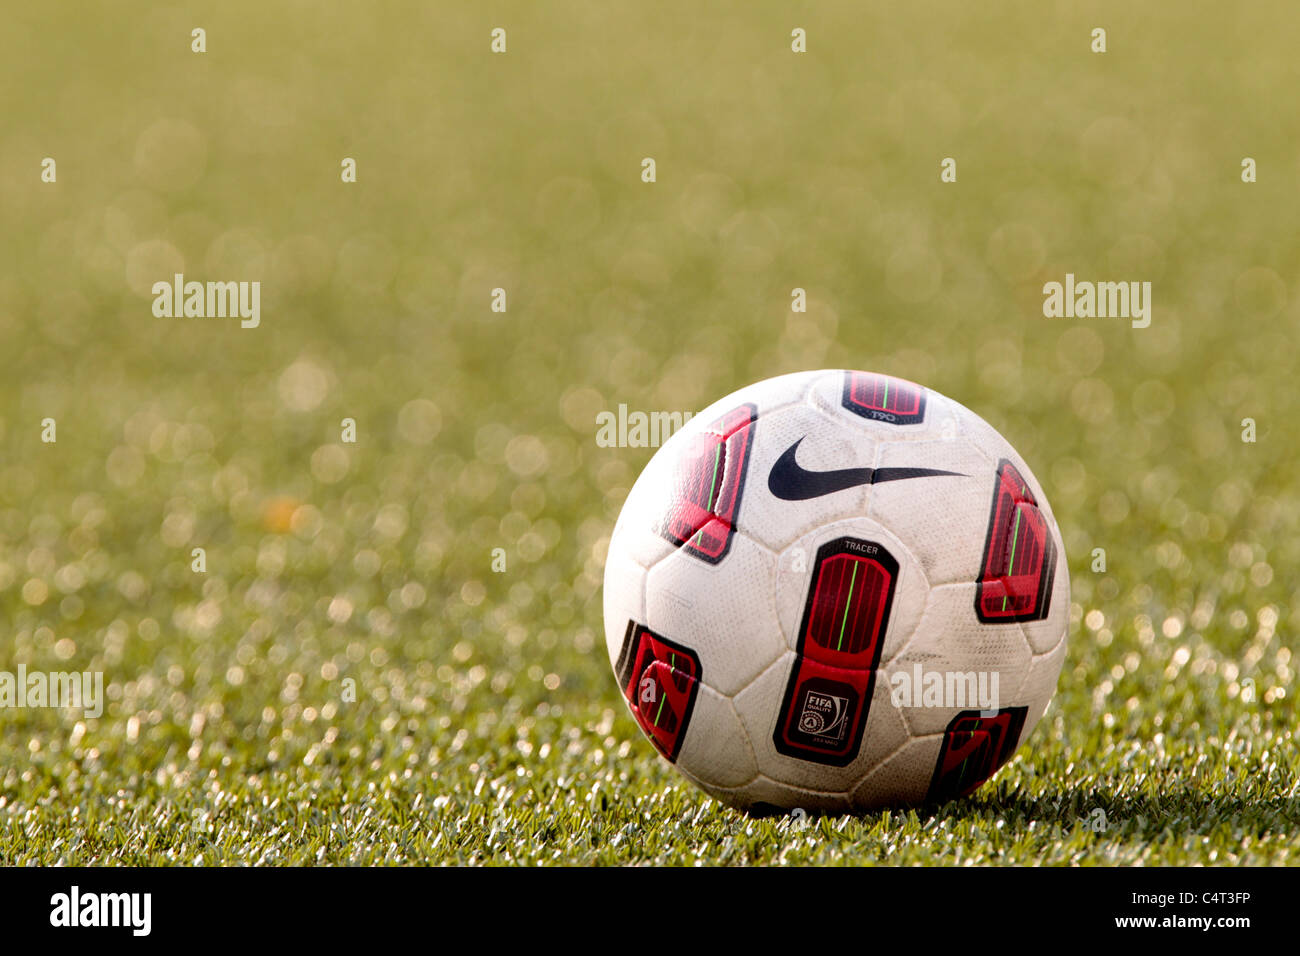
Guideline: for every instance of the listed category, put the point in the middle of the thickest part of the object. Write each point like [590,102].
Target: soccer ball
[836,590]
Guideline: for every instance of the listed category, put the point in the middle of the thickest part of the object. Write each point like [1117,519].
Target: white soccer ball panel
[763,796]
[901,778]
[759,705]
[760,708]
[1050,632]
[943,519]
[725,612]
[773,795]
[624,599]
[1040,685]
[722,757]
[817,446]
[953,650]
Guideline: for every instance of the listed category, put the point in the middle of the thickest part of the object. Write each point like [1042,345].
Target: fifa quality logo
[824,715]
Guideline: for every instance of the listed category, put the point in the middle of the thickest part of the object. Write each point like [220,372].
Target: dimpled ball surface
[836,591]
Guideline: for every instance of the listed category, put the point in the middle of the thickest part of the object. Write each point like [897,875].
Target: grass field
[483,724]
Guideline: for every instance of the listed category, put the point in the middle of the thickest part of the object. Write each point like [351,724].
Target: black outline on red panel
[624,665]
[994,759]
[628,680]
[889,564]
[684,543]
[1043,600]
[878,414]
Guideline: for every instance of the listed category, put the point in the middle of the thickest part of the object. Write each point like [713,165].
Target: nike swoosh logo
[790,482]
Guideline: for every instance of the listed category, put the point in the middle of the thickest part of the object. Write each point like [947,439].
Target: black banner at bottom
[335,907]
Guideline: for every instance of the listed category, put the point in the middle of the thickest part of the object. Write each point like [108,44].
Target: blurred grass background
[487,726]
